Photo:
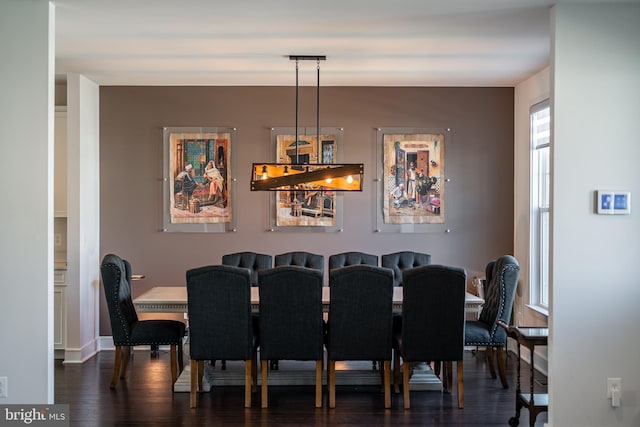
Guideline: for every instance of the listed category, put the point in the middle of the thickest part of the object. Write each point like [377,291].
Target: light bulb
[349,179]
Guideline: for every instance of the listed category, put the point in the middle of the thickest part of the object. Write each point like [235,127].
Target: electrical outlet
[4,386]
[614,391]
[58,239]
[613,384]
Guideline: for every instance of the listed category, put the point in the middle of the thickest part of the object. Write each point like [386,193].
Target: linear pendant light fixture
[298,176]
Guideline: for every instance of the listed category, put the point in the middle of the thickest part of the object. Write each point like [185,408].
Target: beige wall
[478,154]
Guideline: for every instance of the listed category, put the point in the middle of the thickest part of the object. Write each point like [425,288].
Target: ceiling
[248,42]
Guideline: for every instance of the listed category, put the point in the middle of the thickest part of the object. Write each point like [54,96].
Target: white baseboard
[105,343]
[540,356]
[82,354]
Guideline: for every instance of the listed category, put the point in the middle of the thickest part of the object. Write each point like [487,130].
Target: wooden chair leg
[174,363]
[331,381]
[460,373]
[387,383]
[180,358]
[200,373]
[193,396]
[437,367]
[501,367]
[492,368]
[440,370]
[116,367]
[125,361]
[396,371]
[265,370]
[254,372]
[405,385]
[318,383]
[449,375]
[248,379]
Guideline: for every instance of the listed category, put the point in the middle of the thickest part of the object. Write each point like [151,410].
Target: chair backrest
[219,303]
[502,281]
[116,280]
[301,259]
[433,313]
[251,260]
[351,258]
[291,326]
[360,313]
[400,261]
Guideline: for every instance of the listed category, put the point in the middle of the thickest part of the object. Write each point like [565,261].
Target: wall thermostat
[613,202]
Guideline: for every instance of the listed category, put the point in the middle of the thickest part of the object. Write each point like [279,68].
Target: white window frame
[540,137]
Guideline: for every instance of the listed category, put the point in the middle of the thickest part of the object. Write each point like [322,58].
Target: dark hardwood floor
[145,398]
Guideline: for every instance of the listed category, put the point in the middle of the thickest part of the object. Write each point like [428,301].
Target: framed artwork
[198,177]
[411,180]
[310,209]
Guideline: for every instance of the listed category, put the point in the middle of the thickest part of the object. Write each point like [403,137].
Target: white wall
[594,297]
[83,218]
[530,92]
[26,261]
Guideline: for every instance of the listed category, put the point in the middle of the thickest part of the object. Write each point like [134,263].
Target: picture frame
[410,177]
[198,178]
[313,210]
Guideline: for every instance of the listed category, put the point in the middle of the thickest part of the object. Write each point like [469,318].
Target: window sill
[539,309]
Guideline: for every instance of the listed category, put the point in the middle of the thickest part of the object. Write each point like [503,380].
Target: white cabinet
[60,164]
[59,312]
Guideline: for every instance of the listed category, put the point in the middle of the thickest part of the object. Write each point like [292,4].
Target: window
[540,185]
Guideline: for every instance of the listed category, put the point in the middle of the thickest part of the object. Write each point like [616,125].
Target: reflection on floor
[303,373]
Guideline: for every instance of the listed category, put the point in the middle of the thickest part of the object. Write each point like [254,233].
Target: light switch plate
[613,202]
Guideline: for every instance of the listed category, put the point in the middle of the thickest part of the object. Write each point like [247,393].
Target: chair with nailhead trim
[126,329]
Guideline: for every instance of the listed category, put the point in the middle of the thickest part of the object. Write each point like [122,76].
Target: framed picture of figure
[314,208]
[411,178]
[198,173]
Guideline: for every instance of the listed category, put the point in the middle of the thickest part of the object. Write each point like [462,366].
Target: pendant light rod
[319,148]
[297,108]
[316,58]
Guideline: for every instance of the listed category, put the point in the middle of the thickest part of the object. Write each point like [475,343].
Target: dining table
[173,299]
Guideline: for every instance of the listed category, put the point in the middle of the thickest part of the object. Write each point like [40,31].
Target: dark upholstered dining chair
[500,289]
[220,322]
[126,329]
[251,260]
[360,321]
[345,259]
[291,324]
[433,321]
[399,261]
[254,262]
[301,259]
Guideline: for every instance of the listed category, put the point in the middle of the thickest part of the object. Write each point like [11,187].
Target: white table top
[173,299]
